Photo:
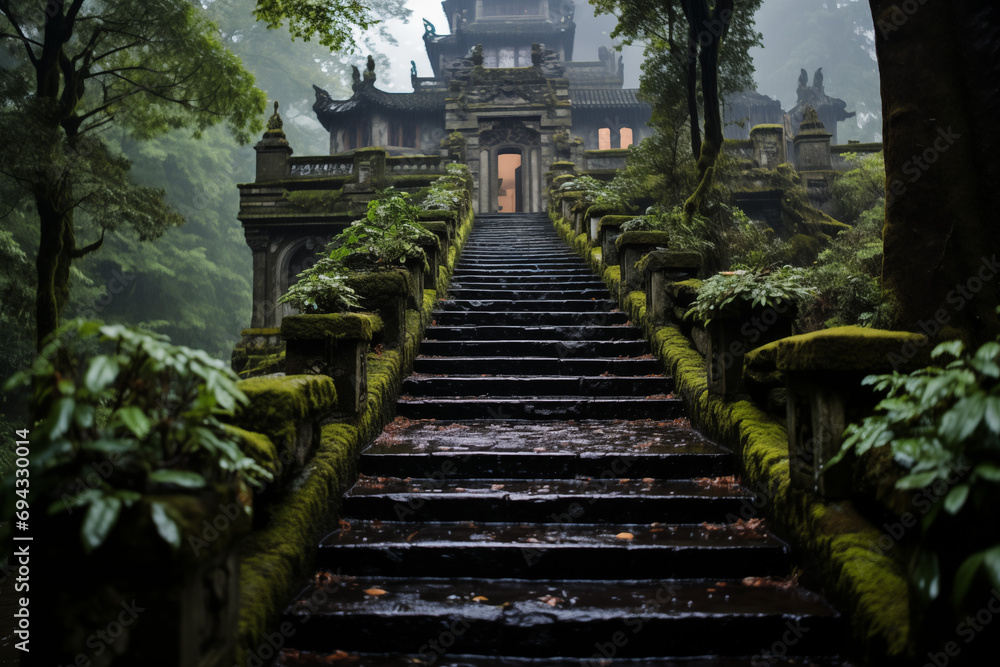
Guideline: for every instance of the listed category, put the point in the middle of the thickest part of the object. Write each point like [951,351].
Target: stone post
[385,293]
[660,269]
[335,345]
[632,246]
[823,372]
[273,151]
[768,145]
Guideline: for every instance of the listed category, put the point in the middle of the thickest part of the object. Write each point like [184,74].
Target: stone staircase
[541,499]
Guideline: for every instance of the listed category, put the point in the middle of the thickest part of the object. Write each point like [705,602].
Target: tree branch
[9,13]
[77,253]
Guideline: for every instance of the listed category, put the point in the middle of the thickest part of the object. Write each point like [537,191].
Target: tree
[689,44]
[77,67]
[938,65]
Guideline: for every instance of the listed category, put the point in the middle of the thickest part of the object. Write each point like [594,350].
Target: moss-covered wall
[836,544]
[276,559]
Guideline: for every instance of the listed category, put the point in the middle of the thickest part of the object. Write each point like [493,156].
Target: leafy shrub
[322,288]
[448,193]
[862,188]
[938,422]
[147,412]
[757,288]
[847,276]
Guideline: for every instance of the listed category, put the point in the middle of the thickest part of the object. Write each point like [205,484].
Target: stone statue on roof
[818,79]
[413,69]
[275,122]
[370,71]
[430,32]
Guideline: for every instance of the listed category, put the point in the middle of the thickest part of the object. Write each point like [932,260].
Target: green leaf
[102,372]
[956,498]
[61,416]
[953,348]
[166,526]
[964,576]
[100,519]
[927,575]
[134,419]
[991,559]
[989,471]
[185,478]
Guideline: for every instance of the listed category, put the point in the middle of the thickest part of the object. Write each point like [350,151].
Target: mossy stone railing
[837,542]
[632,246]
[333,345]
[823,371]
[609,228]
[280,551]
[660,269]
[385,293]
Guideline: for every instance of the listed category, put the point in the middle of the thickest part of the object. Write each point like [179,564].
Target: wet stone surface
[541,499]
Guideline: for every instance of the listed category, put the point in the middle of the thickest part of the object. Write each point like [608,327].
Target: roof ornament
[477,55]
[430,32]
[275,122]
[355,78]
[370,71]
[413,69]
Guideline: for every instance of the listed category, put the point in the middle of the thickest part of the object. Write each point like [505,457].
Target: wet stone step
[573,333]
[531,617]
[525,283]
[437,655]
[537,348]
[476,318]
[519,294]
[500,365]
[545,551]
[534,385]
[534,305]
[514,273]
[593,500]
[541,408]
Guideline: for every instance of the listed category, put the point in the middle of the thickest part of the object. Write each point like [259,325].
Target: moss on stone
[560,179]
[261,332]
[851,348]
[642,238]
[353,326]
[257,446]
[613,221]
[658,260]
[278,404]
[377,284]
[563,165]
[601,210]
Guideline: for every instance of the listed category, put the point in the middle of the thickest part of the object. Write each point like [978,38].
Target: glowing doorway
[509,199]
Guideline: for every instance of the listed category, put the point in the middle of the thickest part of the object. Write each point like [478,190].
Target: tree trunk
[692,93]
[939,109]
[52,265]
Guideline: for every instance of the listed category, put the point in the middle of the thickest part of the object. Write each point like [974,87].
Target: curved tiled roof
[605,98]
[368,96]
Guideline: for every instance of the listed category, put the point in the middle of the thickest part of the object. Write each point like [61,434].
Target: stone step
[622,500]
[541,618]
[545,551]
[439,657]
[535,348]
[535,385]
[533,305]
[540,407]
[581,272]
[500,365]
[487,332]
[531,449]
[513,264]
[471,293]
[525,282]
[473,318]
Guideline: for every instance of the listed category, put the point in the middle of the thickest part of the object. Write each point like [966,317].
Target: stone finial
[477,55]
[430,32]
[810,116]
[370,71]
[274,123]
[818,80]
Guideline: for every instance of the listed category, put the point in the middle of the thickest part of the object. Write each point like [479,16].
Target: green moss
[257,446]
[613,221]
[562,178]
[375,284]
[563,165]
[850,348]
[659,260]
[279,404]
[261,332]
[642,238]
[609,152]
[601,210]
[315,201]
[354,326]
[766,126]
[803,249]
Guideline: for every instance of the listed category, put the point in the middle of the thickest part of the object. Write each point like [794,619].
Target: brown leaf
[409,538]
[624,536]
[550,600]
[345,526]
[375,591]
[480,598]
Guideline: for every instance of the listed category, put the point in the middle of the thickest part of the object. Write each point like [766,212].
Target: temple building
[506,97]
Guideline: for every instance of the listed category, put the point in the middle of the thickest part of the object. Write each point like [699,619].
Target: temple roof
[605,98]
[367,96]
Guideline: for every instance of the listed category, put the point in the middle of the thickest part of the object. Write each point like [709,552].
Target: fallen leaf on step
[480,598]
[648,480]
[375,591]
[409,538]
[497,487]
[625,536]
[550,600]
[345,526]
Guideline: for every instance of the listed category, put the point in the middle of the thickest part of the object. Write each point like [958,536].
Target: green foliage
[334,22]
[598,193]
[755,288]
[938,423]
[448,192]
[314,201]
[861,188]
[147,413]
[321,288]
[847,276]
